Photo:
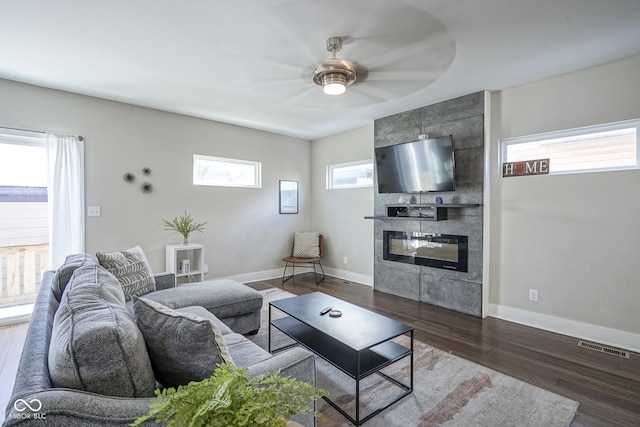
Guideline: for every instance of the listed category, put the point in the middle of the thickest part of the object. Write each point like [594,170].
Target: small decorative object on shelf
[421,212]
[184,225]
[439,200]
[129,177]
[186,262]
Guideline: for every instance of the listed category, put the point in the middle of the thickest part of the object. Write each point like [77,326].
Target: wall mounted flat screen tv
[416,167]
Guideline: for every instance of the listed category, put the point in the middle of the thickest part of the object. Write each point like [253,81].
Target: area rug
[448,391]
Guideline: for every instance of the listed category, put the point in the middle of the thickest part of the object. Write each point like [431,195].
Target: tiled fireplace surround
[464,119]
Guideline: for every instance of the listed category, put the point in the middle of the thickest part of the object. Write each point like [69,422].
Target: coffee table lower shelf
[358,364]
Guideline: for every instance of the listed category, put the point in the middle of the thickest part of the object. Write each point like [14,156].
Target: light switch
[93,210]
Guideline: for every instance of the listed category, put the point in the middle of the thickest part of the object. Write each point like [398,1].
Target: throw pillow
[306,244]
[64,273]
[183,347]
[96,345]
[131,268]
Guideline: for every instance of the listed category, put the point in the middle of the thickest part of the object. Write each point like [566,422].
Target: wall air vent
[604,349]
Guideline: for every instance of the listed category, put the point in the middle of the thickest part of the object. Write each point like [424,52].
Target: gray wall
[245,237]
[463,118]
[573,237]
[339,213]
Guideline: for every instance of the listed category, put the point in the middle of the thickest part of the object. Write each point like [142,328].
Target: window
[222,172]
[24,217]
[350,175]
[612,146]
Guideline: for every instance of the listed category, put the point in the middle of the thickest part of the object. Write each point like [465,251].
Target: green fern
[184,225]
[230,398]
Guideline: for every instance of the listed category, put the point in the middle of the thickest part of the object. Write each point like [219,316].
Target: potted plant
[184,225]
[229,398]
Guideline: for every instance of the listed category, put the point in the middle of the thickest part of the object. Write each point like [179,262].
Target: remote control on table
[325,311]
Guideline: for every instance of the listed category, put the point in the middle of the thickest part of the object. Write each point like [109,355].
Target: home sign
[527,167]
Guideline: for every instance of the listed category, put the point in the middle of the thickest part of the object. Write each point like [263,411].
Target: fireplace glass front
[429,249]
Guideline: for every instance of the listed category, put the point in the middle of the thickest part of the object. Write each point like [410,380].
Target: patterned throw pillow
[183,347]
[131,268]
[306,244]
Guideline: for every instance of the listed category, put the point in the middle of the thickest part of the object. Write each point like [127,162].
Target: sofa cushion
[306,244]
[63,274]
[183,347]
[244,352]
[206,314]
[131,268]
[222,297]
[96,345]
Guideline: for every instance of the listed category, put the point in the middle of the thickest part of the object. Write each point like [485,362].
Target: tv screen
[416,167]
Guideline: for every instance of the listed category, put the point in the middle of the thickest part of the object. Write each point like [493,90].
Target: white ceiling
[249,62]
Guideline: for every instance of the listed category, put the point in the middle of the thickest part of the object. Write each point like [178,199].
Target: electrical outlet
[345,261]
[93,210]
[533,295]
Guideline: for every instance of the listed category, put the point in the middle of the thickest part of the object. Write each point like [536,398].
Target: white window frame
[331,185]
[257,171]
[586,130]
[25,138]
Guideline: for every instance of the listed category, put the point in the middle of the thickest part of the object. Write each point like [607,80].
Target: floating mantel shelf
[421,212]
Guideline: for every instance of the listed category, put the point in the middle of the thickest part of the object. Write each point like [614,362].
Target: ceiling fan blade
[265,60]
[374,92]
[400,75]
[304,97]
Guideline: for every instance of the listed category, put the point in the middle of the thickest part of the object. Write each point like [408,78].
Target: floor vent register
[604,349]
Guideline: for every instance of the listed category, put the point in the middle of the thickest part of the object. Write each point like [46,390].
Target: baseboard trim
[600,334]
[350,276]
[256,276]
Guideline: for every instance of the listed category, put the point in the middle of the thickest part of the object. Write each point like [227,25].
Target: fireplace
[446,251]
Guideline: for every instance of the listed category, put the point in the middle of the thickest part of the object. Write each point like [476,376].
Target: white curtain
[66,196]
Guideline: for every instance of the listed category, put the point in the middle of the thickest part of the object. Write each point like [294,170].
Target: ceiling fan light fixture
[334,74]
[334,83]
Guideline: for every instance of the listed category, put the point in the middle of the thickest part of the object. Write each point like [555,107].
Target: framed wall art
[288,197]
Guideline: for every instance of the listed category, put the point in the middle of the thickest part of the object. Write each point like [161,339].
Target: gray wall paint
[572,237]
[245,233]
[339,214]
[464,119]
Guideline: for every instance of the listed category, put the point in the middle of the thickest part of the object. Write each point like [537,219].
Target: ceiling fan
[395,53]
[335,74]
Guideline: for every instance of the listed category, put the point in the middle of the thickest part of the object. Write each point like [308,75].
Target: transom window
[612,146]
[218,171]
[350,175]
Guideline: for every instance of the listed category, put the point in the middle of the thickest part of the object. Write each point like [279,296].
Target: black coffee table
[359,343]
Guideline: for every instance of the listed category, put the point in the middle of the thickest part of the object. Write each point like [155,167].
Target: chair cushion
[63,274]
[306,244]
[96,345]
[131,268]
[182,346]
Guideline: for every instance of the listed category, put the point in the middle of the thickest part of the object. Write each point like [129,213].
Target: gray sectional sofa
[93,355]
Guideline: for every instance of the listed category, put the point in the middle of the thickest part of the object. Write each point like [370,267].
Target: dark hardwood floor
[607,386]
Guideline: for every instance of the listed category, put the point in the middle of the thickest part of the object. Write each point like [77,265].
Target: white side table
[175,257]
